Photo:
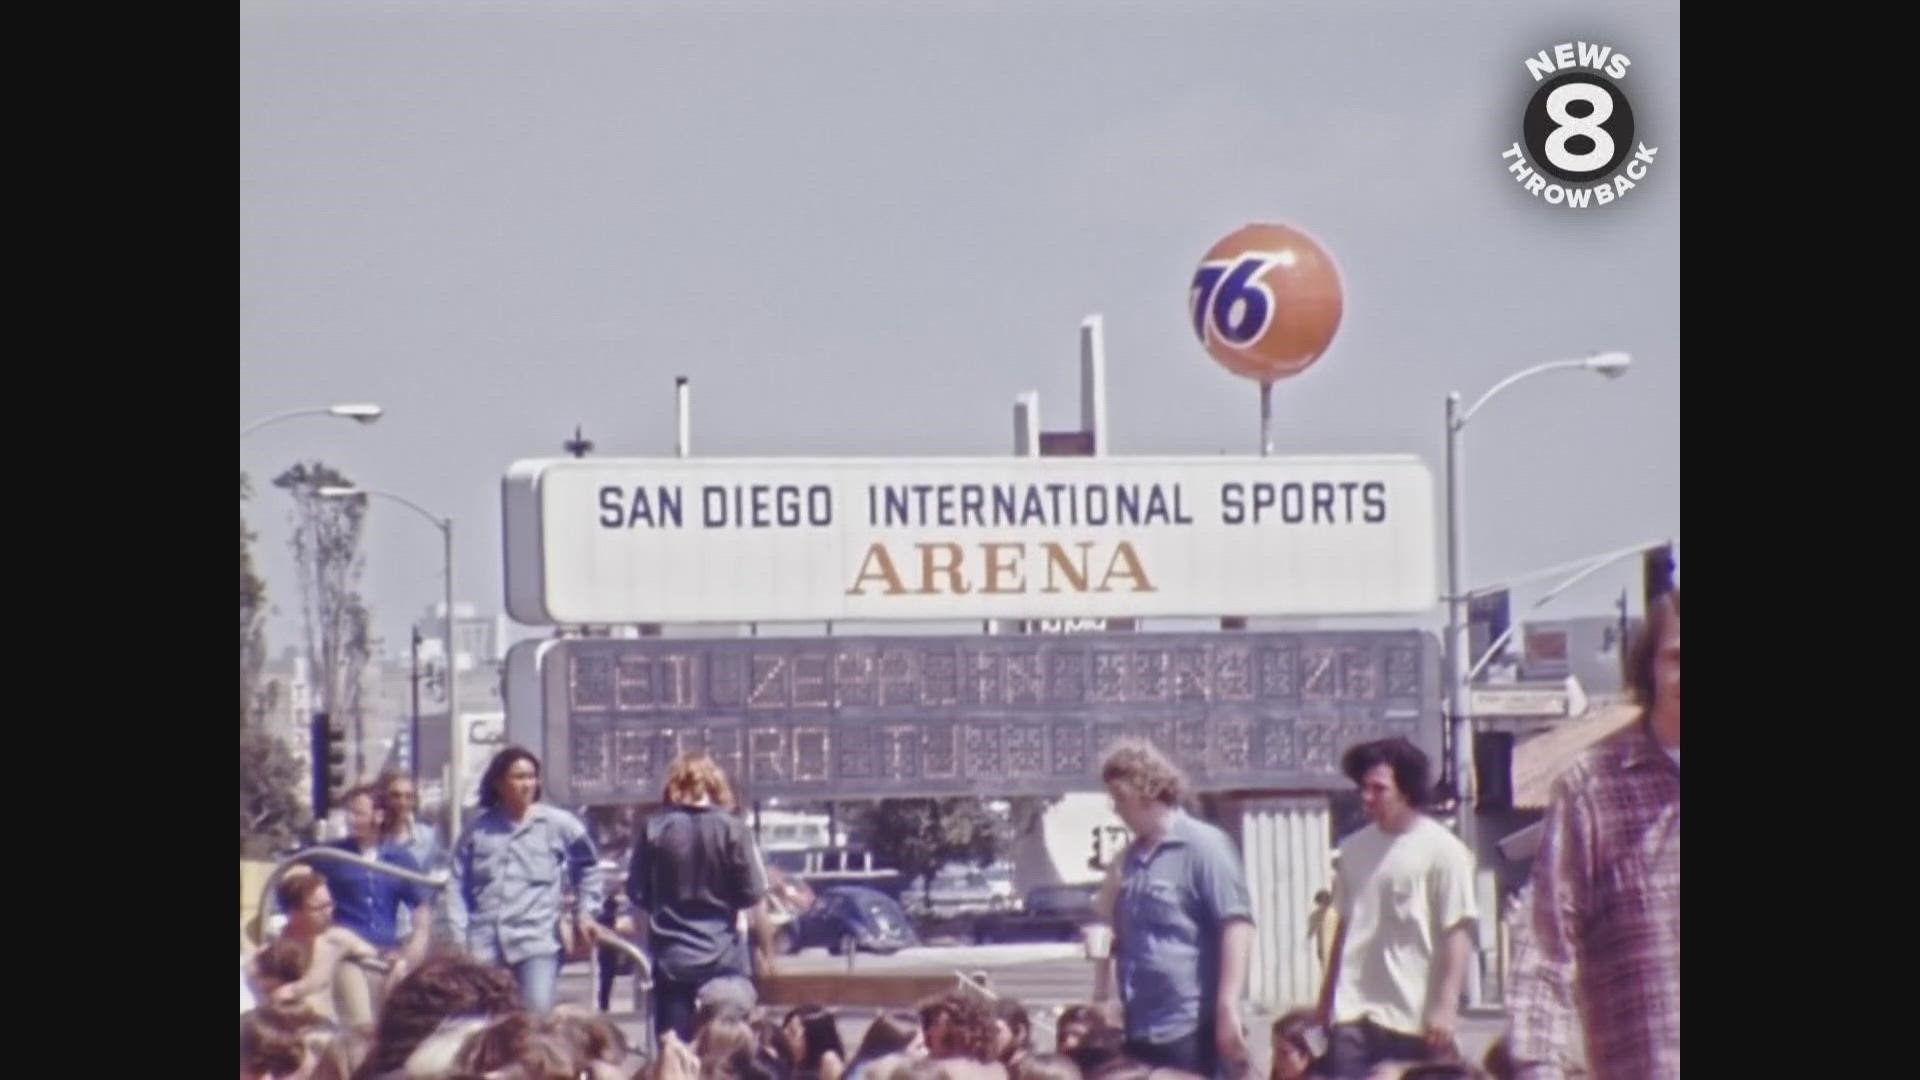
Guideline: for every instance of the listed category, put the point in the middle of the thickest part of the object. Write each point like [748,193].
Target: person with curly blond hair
[1182,922]
[695,870]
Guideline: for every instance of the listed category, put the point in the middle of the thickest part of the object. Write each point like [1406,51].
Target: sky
[861,229]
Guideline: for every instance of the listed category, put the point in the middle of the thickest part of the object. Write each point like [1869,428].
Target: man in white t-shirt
[1404,893]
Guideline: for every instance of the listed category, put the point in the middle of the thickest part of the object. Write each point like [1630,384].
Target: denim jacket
[508,882]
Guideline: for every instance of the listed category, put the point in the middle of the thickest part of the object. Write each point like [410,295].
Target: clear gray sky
[862,229]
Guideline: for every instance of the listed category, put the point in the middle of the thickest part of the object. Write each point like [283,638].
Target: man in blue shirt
[369,903]
[1183,923]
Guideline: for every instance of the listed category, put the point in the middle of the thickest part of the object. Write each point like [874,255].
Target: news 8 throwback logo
[1576,148]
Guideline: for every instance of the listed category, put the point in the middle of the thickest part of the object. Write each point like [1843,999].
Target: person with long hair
[695,871]
[889,1034]
[280,1042]
[1012,1032]
[958,1024]
[1073,1025]
[1597,954]
[814,1037]
[723,1036]
[448,989]
[510,871]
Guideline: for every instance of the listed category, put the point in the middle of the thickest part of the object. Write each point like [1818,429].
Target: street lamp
[364,413]
[456,744]
[1459,697]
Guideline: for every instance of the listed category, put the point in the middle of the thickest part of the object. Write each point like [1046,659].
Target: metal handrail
[643,968]
[439,879]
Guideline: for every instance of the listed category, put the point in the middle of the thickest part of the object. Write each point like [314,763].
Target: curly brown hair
[518,1041]
[447,985]
[1139,767]
[969,1027]
[273,1039]
[284,960]
[693,775]
[296,887]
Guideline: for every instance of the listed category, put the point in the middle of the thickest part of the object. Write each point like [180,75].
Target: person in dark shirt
[695,871]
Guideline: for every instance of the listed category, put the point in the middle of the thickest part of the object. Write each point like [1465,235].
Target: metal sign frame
[907,716]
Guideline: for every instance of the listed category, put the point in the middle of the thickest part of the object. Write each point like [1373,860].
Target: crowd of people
[351,985]
[454,1018]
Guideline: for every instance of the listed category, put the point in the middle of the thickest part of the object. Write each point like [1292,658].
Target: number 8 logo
[1567,126]
[1229,304]
[1604,133]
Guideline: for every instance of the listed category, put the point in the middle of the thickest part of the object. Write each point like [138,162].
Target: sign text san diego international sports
[599,541]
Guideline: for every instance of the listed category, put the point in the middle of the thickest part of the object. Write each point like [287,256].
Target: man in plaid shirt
[1601,941]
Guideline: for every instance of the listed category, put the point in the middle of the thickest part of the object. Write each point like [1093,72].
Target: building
[385,737]
[478,639]
[1587,648]
[1509,830]
[287,695]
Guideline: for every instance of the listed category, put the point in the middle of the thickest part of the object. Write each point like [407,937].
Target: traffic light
[338,779]
[330,765]
[1489,616]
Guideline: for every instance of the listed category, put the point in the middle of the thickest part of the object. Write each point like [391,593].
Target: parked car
[959,887]
[823,868]
[1051,913]
[869,920]
[1000,882]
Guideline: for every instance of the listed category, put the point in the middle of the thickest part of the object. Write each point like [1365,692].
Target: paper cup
[1099,940]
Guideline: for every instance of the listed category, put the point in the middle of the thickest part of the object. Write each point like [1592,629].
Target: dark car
[869,920]
[1051,913]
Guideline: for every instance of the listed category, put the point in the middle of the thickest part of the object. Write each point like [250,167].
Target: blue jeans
[536,976]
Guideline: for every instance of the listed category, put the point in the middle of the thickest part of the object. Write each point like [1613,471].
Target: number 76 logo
[1230,304]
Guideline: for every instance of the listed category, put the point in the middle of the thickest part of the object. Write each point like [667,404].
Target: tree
[272,816]
[326,547]
[253,610]
[919,836]
[1025,813]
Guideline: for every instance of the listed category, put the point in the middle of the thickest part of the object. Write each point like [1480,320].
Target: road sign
[1545,652]
[1555,700]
